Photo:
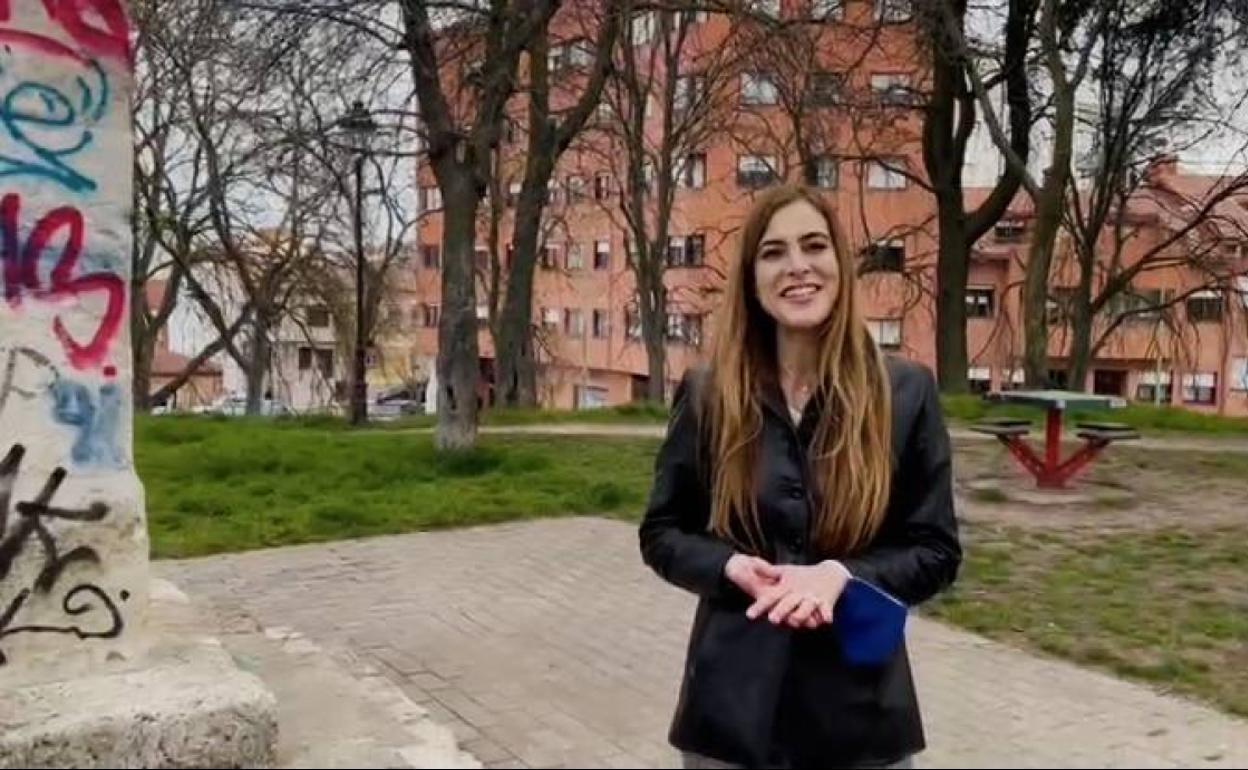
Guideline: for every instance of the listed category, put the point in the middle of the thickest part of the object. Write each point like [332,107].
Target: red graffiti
[21,277]
[110,40]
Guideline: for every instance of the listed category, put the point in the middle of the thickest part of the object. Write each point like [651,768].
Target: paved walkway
[1179,442]
[548,643]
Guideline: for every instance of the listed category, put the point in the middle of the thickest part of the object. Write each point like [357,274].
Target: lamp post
[359,127]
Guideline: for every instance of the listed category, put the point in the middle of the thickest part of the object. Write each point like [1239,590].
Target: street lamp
[359,126]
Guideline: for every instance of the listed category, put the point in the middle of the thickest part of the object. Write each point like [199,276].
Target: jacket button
[797,493]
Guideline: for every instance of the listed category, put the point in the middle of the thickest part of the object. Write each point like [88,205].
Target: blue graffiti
[51,127]
[97,421]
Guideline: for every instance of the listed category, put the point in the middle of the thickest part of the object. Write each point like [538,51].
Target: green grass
[1167,607]
[1143,417]
[215,486]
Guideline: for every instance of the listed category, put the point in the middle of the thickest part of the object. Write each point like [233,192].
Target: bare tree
[949,121]
[667,97]
[1156,74]
[581,53]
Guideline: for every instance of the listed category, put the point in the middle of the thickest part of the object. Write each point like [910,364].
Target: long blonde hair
[851,450]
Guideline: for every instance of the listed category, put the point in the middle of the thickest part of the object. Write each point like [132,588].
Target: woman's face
[796,273]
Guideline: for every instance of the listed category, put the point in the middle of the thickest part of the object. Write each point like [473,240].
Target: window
[430,256]
[576,258]
[550,257]
[980,303]
[1241,288]
[632,324]
[325,363]
[886,332]
[513,193]
[684,328]
[1239,374]
[601,326]
[1200,388]
[691,17]
[692,171]
[757,88]
[1009,230]
[579,54]
[887,174]
[602,187]
[824,89]
[602,255]
[686,251]
[1141,305]
[891,89]
[510,128]
[1154,387]
[590,396]
[1013,379]
[550,318]
[980,379]
[690,91]
[483,315]
[893,11]
[481,257]
[766,7]
[823,172]
[305,359]
[1204,306]
[555,58]
[428,315]
[318,317]
[885,257]
[754,171]
[1059,304]
[827,9]
[573,322]
[430,198]
[552,191]
[643,27]
[576,190]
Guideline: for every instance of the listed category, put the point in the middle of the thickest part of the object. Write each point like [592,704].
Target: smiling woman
[801,461]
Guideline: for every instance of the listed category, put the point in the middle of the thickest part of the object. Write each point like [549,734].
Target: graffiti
[96,420]
[21,275]
[32,523]
[24,373]
[110,41]
[49,125]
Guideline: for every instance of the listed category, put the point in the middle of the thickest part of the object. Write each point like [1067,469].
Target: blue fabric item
[869,622]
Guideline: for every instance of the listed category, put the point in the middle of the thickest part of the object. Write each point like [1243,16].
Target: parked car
[397,403]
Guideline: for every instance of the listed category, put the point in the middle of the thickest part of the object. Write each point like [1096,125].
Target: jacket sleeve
[675,541]
[917,553]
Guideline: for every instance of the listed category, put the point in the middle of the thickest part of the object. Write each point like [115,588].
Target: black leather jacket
[757,694]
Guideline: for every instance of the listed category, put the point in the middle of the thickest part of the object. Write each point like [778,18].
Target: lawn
[215,486]
[1155,589]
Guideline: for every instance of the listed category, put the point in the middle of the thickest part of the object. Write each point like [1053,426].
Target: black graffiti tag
[30,524]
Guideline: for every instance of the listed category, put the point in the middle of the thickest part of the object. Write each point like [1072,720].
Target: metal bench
[1003,427]
[1107,434]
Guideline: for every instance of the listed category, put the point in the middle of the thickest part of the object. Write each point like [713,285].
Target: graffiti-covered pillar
[73,539]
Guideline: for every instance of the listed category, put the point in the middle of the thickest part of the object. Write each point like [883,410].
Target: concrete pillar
[82,682]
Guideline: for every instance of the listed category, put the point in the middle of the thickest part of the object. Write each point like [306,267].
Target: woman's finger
[783,607]
[803,612]
[765,601]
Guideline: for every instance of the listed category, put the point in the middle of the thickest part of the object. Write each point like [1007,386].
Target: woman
[801,458]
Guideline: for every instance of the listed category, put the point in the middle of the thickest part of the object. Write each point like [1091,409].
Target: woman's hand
[751,574]
[803,597]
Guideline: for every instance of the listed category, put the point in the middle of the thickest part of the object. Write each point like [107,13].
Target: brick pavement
[548,643]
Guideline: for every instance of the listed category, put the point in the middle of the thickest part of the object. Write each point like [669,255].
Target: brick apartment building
[1189,350]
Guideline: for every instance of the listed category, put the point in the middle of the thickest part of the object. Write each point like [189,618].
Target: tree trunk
[458,358]
[258,363]
[1081,325]
[653,307]
[517,370]
[952,269]
[144,354]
